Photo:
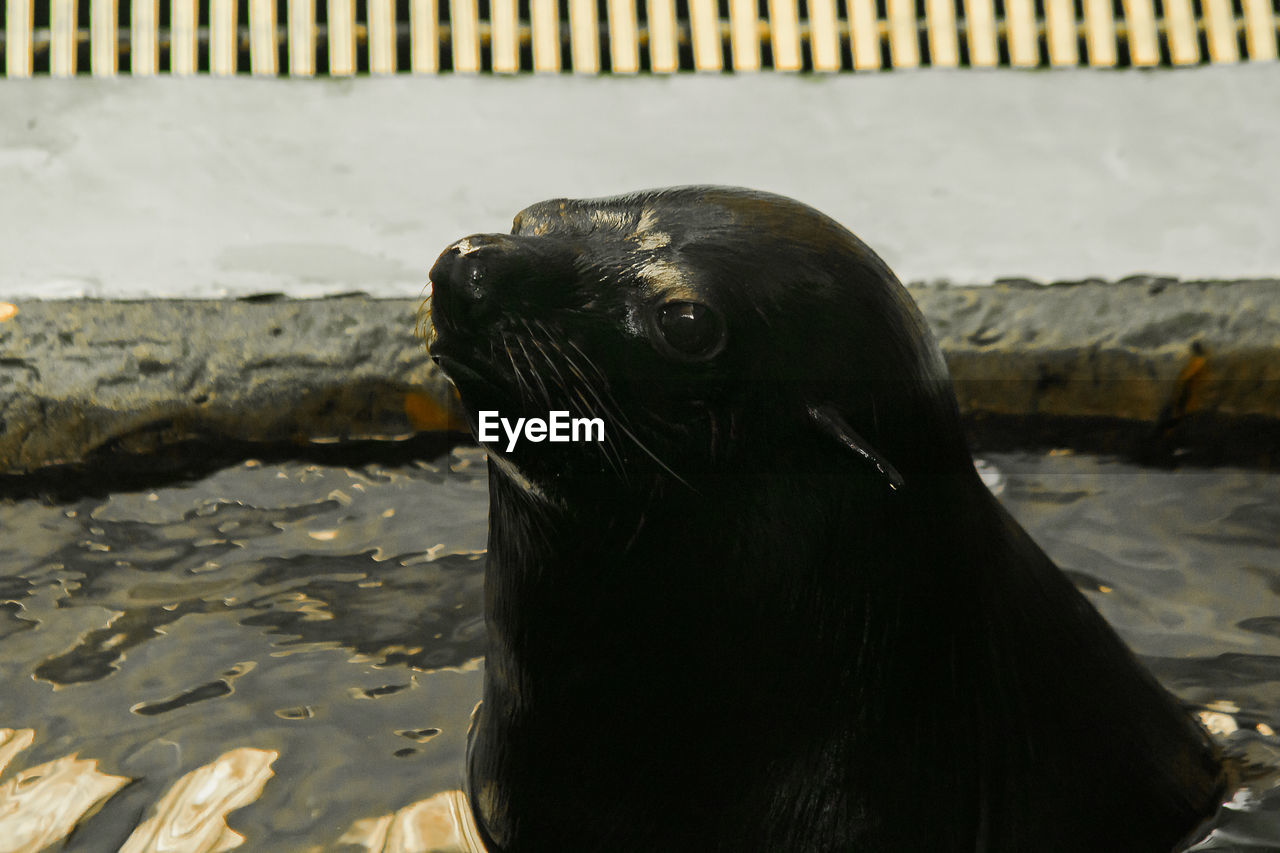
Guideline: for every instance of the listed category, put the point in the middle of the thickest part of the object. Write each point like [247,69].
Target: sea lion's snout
[488,292]
[481,277]
[466,276]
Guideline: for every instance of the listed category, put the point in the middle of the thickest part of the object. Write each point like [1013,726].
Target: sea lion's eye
[692,329]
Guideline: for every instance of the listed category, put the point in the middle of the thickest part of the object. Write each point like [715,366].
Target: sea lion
[775,609]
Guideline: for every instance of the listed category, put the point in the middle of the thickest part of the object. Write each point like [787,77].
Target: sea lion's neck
[661,660]
[652,571]
[666,641]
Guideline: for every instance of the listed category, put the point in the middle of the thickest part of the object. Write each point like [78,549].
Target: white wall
[199,186]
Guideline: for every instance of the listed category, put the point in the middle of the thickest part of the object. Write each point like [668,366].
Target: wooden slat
[104,17]
[504,36]
[1220,23]
[980,21]
[1100,33]
[545,16]
[62,50]
[784,35]
[424,36]
[624,37]
[224,43]
[784,29]
[744,38]
[302,37]
[144,47]
[904,34]
[1024,46]
[18,56]
[584,36]
[704,21]
[824,35]
[1260,29]
[264,49]
[864,34]
[184,19]
[944,43]
[1180,29]
[382,36]
[663,56]
[341,15]
[464,19]
[1060,26]
[1140,17]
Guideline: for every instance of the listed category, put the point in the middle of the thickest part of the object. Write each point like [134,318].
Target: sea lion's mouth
[467,379]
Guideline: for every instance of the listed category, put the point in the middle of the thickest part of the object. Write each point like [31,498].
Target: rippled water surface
[334,615]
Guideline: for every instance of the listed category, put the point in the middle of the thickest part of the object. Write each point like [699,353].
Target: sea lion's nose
[465,277]
[479,275]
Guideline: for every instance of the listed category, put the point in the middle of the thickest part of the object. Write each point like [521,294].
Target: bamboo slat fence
[304,38]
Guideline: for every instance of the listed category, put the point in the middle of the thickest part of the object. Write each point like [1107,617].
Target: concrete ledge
[1150,368]
[86,377]
[1130,367]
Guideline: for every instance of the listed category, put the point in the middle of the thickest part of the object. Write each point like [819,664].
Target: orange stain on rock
[8,311]
[1191,382]
[427,414]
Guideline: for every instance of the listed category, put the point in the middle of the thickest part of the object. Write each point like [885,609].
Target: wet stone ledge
[1143,367]
[81,380]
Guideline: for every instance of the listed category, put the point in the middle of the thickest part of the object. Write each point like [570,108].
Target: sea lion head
[778,581]
[703,326]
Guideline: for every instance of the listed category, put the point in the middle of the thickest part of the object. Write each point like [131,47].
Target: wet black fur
[721,630]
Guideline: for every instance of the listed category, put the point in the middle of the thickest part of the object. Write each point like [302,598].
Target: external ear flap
[831,422]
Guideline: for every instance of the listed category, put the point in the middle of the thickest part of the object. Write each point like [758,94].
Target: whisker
[537,376]
[422,325]
[522,385]
[608,449]
[622,426]
[611,453]
[573,391]
[547,359]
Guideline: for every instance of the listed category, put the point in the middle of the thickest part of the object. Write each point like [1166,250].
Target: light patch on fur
[465,246]
[530,224]
[648,220]
[634,322]
[515,475]
[662,273]
[647,238]
[651,240]
[612,219]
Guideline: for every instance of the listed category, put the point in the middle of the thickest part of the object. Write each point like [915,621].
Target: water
[333,615]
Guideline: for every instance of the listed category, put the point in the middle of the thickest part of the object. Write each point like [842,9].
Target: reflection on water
[332,616]
[327,614]
[1186,566]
